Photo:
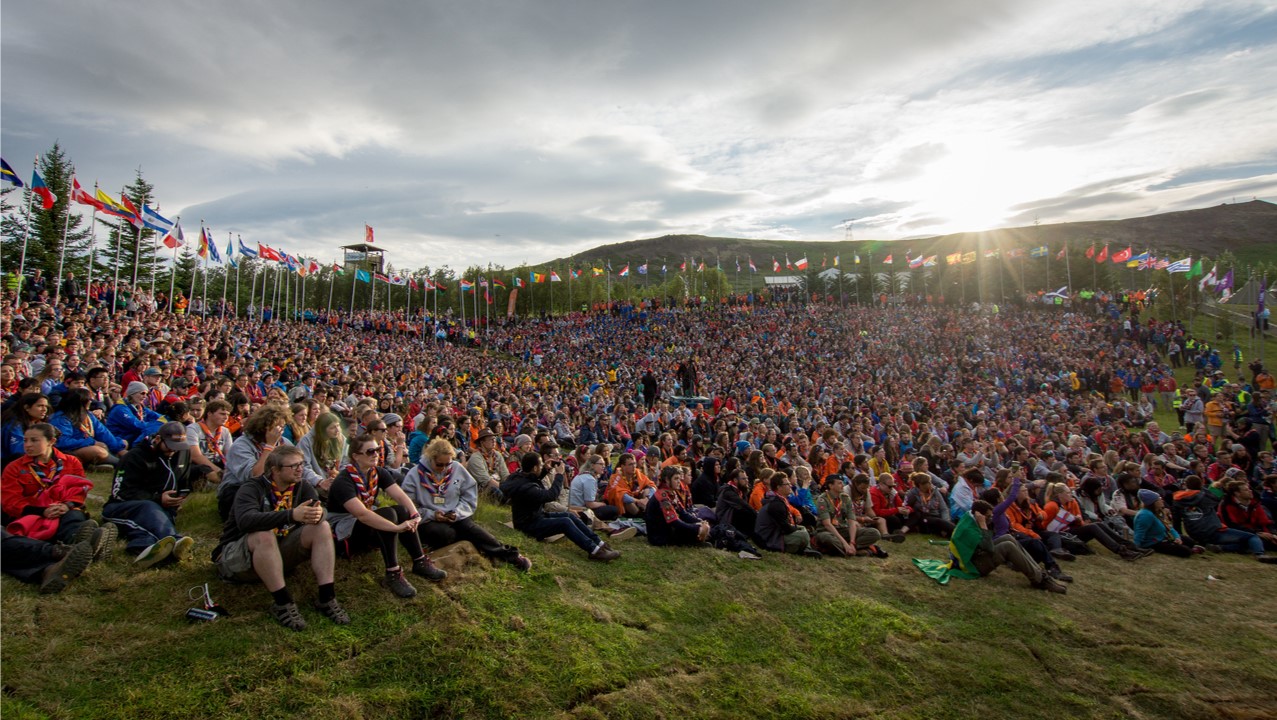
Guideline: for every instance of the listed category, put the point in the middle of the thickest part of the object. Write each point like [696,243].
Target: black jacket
[146,475]
[774,523]
[732,509]
[254,510]
[526,495]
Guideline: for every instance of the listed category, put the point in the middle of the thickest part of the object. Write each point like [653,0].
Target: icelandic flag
[155,221]
[39,188]
[8,175]
[245,251]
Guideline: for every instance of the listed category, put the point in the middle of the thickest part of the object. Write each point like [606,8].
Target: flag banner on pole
[625,271]
[174,238]
[518,283]
[1039,251]
[1180,266]
[916,263]
[1104,255]
[245,251]
[642,269]
[931,261]
[111,206]
[155,221]
[886,260]
[267,252]
[953,258]
[1090,253]
[597,271]
[498,283]
[1122,256]
[835,261]
[990,254]
[398,280]
[775,265]
[202,248]
[79,195]
[383,278]
[752,267]
[8,175]
[135,216]
[363,276]
[1196,271]
[212,250]
[968,258]
[1209,280]
[1134,261]
[39,188]
[554,277]
[338,269]
[368,233]
[802,263]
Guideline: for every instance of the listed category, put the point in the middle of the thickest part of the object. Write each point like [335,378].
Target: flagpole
[93,245]
[155,256]
[332,283]
[1068,268]
[226,276]
[26,235]
[204,299]
[172,278]
[353,282]
[237,265]
[261,309]
[62,253]
[137,249]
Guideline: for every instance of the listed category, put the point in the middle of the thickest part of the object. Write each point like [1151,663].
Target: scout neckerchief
[212,441]
[670,504]
[365,489]
[438,489]
[86,424]
[283,501]
[46,473]
[138,410]
[153,398]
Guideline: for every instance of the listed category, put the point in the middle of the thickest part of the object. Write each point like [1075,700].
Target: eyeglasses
[294,466]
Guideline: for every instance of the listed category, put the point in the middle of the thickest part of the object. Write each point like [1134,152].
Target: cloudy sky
[474,132]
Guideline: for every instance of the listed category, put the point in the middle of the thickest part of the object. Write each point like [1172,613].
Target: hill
[1248,230]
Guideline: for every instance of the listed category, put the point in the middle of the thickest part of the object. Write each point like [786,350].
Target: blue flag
[363,276]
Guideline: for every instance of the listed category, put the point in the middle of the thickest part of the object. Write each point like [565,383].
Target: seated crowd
[1024,437]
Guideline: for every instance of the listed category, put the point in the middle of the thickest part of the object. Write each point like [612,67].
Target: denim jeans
[1239,541]
[141,522]
[568,524]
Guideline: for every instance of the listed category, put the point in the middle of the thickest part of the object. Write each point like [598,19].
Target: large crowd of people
[1024,435]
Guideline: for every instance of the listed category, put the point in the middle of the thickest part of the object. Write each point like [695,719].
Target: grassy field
[661,633]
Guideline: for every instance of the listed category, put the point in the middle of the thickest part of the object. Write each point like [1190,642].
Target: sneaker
[1214,548]
[1198,549]
[426,568]
[289,616]
[894,537]
[522,563]
[161,549]
[182,548]
[1062,554]
[332,610]
[1058,574]
[604,554]
[623,534]
[875,551]
[84,532]
[73,562]
[103,542]
[1267,559]
[813,553]
[399,585]
[1144,552]
[747,555]
[553,538]
[1048,584]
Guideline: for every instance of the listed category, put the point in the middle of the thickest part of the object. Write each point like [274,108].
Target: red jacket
[883,508]
[1252,518]
[20,485]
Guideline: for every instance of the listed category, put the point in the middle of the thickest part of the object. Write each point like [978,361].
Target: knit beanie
[1149,497]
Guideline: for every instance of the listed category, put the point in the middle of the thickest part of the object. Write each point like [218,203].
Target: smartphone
[182,493]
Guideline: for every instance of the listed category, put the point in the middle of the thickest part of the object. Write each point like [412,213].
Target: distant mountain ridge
[1248,229]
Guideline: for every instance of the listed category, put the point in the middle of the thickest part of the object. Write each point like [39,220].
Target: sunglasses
[369,451]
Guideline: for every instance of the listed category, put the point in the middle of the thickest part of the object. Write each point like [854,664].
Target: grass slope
[661,633]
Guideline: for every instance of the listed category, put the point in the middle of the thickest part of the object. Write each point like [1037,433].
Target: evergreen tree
[137,253]
[44,229]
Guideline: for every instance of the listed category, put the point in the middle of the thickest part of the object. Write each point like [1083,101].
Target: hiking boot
[288,615]
[1128,554]
[158,551]
[332,610]
[399,585]
[103,542]
[522,563]
[182,548]
[1214,548]
[604,554]
[623,534]
[1058,574]
[894,537]
[84,532]
[1049,584]
[1062,554]
[426,568]
[1267,559]
[812,553]
[875,551]
[72,562]
[1144,552]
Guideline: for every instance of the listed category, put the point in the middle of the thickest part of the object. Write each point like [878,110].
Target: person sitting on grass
[669,522]
[1240,509]
[732,508]
[448,496]
[775,528]
[862,505]
[1001,524]
[263,431]
[583,494]
[928,510]
[358,524]
[276,524]
[974,553]
[1154,529]
[527,495]
[131,420]
[838,531]
[1199,509]
[42,495]
[889,504]
[154,481]
[83,435]
[629,489]
[49,565]
[1064,515]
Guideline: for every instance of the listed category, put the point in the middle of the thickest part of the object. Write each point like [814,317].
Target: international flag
[412,284]
[931,261]
[953,258]
[311,266]
[802,263]
[1136,260]
[1226,284]
[338,270]
[1180,266]
[155,221]
[8,175]
[574,273]
[111,206]
[230,254]
[79,195]
[1090,253]
[399,280]
[368,233]
[887,260]
[855,258]
[701,267]
[212,249]
[824,260]
[135,216]
[625,271]
[39,188]
[1104,255]
[1122,256]
[1209,280]
[202,248]
[498,283]
[597,271]
[537,277]
[990,254]
[968,258]
[664,270]
[916,263]
[683,267]
[554,277]
[1196,271]
[835,261]
[245,251]
[174,238]
[1061,293]
[518,282]
[788,264]
[642,269]
[1039,251]
[267,252]
[383,278]
[1015,253]
[362,276]
[1063,251]
[738,265]
[775,264]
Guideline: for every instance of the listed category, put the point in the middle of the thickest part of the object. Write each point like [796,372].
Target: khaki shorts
[236,562]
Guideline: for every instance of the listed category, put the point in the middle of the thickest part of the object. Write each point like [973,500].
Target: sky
[509,132]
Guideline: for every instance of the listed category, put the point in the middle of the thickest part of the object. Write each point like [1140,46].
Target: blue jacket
[14,440]
[1150,530]
[124,423]
[72,438]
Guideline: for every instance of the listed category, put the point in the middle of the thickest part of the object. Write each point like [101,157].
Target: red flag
[775,264]
[1123,256]
[79,195]
[1090,253]
[367,233]
[1060,254]
[174,239]
[1104,255]
[128,205]
[266,252]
